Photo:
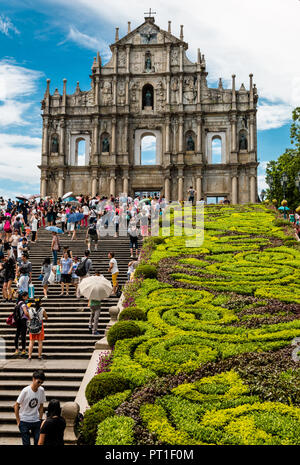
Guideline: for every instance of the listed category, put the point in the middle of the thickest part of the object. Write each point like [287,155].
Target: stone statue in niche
[105,144]
[148,98]
[148,65]
[244,122]
[243,142]
[190,144]
[54,144]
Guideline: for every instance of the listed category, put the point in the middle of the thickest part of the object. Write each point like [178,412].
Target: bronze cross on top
[149,13]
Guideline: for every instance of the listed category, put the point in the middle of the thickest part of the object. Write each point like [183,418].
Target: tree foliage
[289,163]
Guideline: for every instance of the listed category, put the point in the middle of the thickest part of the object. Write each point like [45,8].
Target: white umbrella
[95,287]
[68,194]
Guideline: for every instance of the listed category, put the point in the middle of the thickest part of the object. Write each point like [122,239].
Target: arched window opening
[148,150]
[81,149]
[216,152]
[148,96]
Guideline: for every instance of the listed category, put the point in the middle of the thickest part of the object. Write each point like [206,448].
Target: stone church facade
[150,87]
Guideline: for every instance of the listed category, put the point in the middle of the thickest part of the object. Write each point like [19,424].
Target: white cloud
[16,81]
[86,41]
[19,157]
[11,113]
[261,183]
[259,37]
[148,144]
[273,116]
[6,26]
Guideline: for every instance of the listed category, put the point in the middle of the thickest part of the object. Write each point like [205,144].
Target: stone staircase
[68,343]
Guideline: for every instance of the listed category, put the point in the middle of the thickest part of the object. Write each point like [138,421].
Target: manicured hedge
[132,313]
[103,385]
[122,330]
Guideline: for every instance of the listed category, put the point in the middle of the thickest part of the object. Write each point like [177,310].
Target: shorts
[94,238]
[72,227]
[9,277]
[114,278]
[37,337]
[133,242]
[66,278]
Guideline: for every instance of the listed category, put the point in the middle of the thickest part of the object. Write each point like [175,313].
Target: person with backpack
[52,429]
[7,229]
[133,237]
[83,269]
[29,408]
[36,328]
[25,273]
[92,236]
[21,316]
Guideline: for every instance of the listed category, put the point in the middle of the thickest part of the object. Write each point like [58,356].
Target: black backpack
[81,269]
[92,230]
[35,324]
[17,311]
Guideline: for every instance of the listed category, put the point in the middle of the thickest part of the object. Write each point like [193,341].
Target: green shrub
[97,413]
[132,313]
[158,240]
[116,431]
[103,385]
[147,271]
[122,330]
[92,418]
[281,222]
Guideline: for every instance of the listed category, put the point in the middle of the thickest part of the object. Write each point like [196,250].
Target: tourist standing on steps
[55,247]
[87,267]
[9,274]
[66,267]
[29,408]
[95,307]
[36,314]
[34,227]
[133,236]
[52,429]
[46,271]
[21,316]
[114,270]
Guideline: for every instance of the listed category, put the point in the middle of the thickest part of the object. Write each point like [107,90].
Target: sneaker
[40,358]
[95,333]
[29,359]
[23,353]
[81,309]
[16,353]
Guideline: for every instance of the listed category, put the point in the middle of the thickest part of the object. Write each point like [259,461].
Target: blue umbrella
[69,199]
[75,217]
[284,209]
[54,229]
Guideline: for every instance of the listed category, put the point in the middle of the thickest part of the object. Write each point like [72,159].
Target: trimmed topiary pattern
[103,385]
[132,313]
[122,330]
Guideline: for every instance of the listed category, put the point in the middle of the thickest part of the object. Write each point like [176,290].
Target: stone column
[45,144]
[233,133]
[251,142]
[167,189]
[113,136]
[181,58]
[180,189]
[127,58]
[112,184]
[126,135]
[62,137]
[180,90]
[60,190]
[252,189]
[94,185]
[198,188]
[168,90]
[199,135]
[234,192]
[97,90]
[125,184]
[168,58]
[44,184]
[168,135]
[95,138]
[115,91]
[180,135]
[127,91]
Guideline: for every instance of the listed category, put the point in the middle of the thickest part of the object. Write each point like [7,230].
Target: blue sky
[58,39]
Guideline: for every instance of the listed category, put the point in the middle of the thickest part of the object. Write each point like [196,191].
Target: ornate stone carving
[175,90]
[122,58]
[189,91]
[106,93]
[160,96]
[121,93]
[174,57]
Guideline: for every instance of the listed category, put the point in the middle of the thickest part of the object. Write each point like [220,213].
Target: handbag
[10,321]
[51,277]
[40,278]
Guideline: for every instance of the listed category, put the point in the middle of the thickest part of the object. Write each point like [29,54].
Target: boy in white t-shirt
[29,408]
[114,270]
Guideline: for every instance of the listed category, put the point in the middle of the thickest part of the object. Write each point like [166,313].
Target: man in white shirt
[34,228]
[29,408]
